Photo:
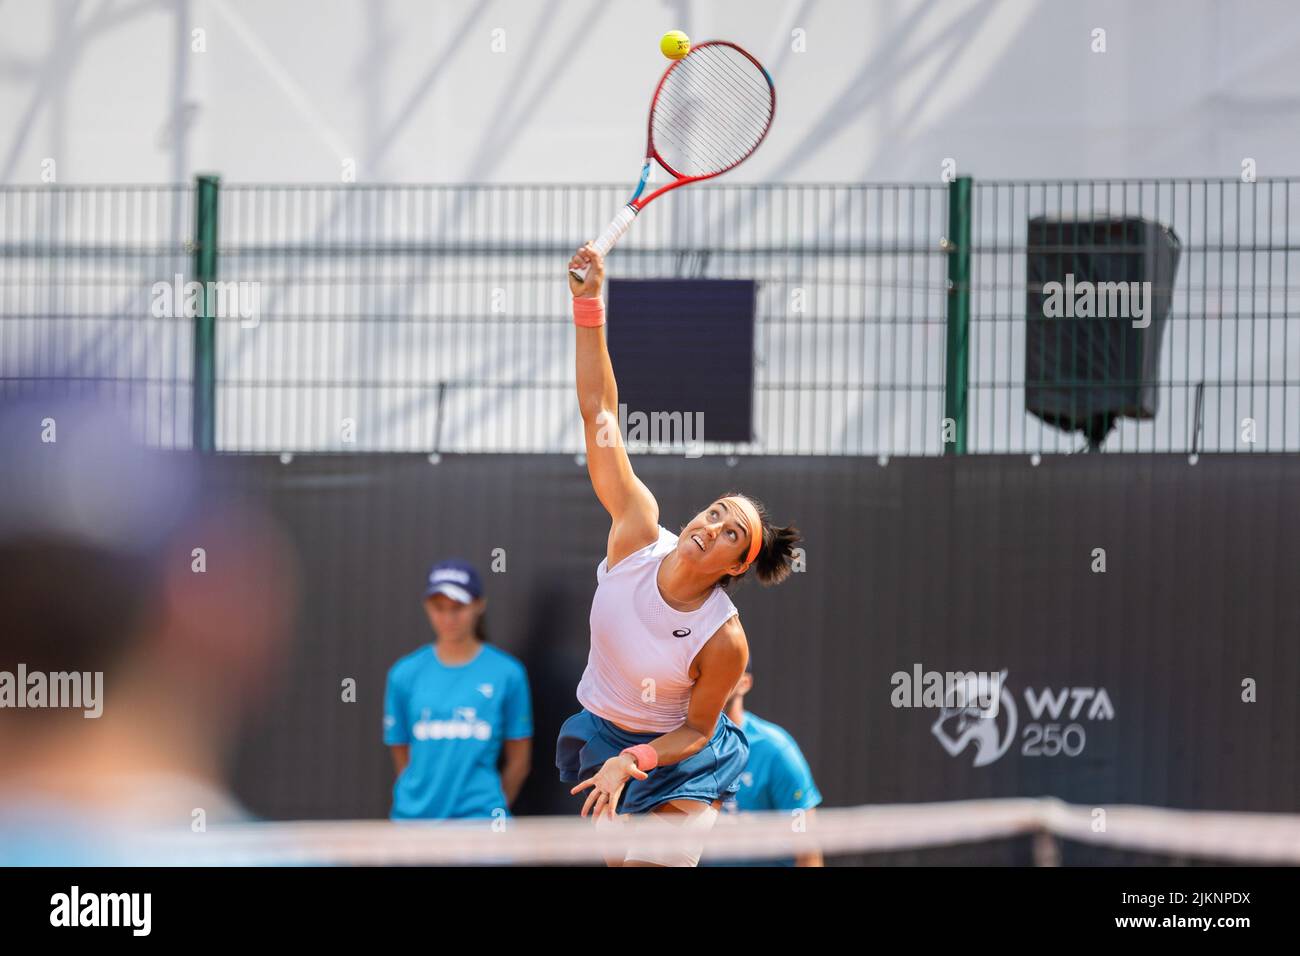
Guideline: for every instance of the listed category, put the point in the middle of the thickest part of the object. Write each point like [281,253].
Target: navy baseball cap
[455,578]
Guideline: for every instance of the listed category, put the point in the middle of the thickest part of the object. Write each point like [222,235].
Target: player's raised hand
[591,260]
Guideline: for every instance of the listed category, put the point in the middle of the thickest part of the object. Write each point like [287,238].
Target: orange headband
[750,514]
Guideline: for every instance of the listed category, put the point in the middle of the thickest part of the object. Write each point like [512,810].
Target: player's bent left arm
[716,670]
[719,664]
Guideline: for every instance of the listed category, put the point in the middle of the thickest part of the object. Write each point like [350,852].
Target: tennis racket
[711,110]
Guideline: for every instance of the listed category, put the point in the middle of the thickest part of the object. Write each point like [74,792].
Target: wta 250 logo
[1059,718]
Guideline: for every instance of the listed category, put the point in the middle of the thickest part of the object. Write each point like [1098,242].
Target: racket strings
[690,121]
[712,111]
[748,79]
[718,85]
[696,138]
[705,76]
[710,120]
[700,128]
[688,141]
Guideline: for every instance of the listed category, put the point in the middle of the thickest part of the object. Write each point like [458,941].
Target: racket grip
[612,234]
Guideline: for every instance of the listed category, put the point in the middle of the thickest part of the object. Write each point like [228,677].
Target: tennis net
[849,834]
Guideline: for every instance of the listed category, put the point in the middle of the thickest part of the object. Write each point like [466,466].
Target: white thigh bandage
[647,843]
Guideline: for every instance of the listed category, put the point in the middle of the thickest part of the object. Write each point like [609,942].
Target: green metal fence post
[957,245]
[203,435]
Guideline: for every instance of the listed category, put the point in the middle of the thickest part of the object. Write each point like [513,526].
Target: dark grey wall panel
[956,564]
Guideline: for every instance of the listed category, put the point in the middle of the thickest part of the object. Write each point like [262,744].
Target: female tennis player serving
[667,648]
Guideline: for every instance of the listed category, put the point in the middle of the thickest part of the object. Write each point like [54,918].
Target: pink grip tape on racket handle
[612,234]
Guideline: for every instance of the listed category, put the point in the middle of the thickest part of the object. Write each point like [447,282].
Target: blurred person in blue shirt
[776,777]
[457,712]
[137,572]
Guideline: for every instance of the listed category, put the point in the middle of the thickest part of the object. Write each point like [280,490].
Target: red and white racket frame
[620,223]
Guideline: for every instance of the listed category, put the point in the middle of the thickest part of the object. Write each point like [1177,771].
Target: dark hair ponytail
[775,556]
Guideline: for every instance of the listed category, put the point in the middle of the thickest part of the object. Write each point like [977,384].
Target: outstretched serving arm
[633,511]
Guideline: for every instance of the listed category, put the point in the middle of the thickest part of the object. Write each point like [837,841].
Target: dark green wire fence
[1228,372]
[435,319]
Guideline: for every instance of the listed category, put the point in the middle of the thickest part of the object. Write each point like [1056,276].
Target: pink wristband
[588,313]
[646,757]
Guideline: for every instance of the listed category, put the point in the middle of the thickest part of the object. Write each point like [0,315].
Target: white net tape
[1240,837]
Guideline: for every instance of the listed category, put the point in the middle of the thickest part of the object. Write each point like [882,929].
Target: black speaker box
[1093,326]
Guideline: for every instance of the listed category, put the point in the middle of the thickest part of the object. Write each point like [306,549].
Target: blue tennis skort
[587,741]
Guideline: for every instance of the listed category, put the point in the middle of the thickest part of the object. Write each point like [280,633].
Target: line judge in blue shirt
[776,776]
[453,708]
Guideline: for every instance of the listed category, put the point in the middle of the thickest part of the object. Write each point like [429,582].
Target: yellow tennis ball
[675,44]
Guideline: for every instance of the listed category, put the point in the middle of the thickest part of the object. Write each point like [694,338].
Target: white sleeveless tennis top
[637,638]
